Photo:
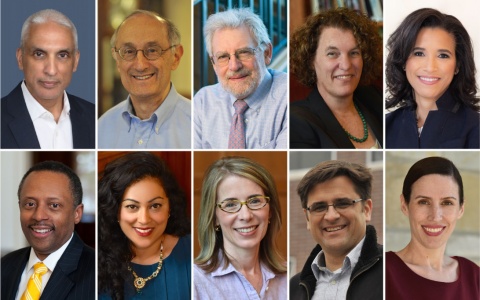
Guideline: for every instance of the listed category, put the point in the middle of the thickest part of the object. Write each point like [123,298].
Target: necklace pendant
[139,282]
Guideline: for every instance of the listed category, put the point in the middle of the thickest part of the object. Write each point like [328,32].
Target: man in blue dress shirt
[146,49]
[239,47]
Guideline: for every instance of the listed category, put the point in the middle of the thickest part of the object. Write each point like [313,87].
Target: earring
[217,228]
[456,71]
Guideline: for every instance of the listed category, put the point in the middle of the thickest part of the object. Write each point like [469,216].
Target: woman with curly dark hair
[144,240]
[333,53]
[430,75]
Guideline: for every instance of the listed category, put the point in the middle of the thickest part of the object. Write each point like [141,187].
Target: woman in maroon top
[432,199]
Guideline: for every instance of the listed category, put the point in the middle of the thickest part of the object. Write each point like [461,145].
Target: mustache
[240,73]
[41,224]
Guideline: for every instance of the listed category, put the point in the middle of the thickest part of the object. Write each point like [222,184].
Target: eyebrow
[136,201]
[439,50]
[443,198]
[148,44]
[251,196]
[336,48]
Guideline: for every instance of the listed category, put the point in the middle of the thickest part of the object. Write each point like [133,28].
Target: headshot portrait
[336,80]
[45,102]
[336,225]
[432,225]
[48,225]
[145,71]
[432,96]
[240,225]
[242,103]
[144,225]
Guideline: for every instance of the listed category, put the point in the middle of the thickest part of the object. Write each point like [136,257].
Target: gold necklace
[139,282]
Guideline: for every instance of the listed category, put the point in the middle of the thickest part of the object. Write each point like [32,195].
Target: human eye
[156,205]
[131,207]
[342,204]
[356,53]
[222,56]
[127,51]
[418,53]
[29,204]
[63,55]
[38,54]
[448,203]
[318,207]
[332,54]
[443,55]
[422,202]
[55,205]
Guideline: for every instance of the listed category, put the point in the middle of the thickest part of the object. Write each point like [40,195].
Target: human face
[240,78]
[431,65]
[433,210]
[245,229]
[338,64]
[48,59]
[47,211]
[146,80]
[144,213]
[338,232]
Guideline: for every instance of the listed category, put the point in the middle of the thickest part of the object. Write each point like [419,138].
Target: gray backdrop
[82,14]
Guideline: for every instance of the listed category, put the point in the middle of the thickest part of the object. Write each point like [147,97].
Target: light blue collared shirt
[333,285]
[266,123]
[231,284]
[169,127]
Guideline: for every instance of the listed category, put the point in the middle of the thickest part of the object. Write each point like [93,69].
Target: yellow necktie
[34,285]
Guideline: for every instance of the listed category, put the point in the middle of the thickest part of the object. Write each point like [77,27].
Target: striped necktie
[34,285]
[236,139]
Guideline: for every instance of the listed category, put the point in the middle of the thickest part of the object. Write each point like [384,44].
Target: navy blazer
[451,126]
[313,125]
[18,131]
[73,277]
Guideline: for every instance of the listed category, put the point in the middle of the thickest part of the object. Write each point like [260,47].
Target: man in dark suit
[50,201]
[38,113]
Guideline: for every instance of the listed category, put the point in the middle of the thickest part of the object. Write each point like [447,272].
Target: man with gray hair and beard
[247,109]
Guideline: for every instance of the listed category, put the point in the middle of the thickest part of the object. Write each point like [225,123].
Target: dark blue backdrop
[82,14]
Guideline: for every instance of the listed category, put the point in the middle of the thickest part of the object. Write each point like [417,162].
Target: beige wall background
[465,240]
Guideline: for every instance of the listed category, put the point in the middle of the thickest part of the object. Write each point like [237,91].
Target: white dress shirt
[50,134]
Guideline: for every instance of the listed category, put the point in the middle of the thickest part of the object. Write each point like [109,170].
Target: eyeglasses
[151,53]
[321,208]
[234,205]
[221,59]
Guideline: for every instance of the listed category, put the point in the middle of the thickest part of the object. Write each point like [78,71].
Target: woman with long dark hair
[144,241]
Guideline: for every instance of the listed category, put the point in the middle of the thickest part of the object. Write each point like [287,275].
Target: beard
[249,84]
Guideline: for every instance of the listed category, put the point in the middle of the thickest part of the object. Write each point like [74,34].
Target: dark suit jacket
[18,131]
[451,126]
[73,277]
[313,125]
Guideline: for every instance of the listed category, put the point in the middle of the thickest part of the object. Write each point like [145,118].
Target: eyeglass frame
[136,52]
[242,203]
[334,204]
[212,58]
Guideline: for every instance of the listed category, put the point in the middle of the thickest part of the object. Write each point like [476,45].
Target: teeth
[246,230]
[333,228]
[42,230]
[429,79]
[343,76]
[142,77]
[433,230]
[143,230]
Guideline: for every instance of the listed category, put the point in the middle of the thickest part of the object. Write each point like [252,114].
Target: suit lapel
[21,124]
[17,269]
[79,128]
[60,284]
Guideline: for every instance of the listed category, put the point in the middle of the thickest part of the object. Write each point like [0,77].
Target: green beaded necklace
[365,128]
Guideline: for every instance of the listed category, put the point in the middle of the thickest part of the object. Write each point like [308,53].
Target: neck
[146,106]
[334,262]
[245,261]
[339,104]
[418,255]
[149,255]
[55,107]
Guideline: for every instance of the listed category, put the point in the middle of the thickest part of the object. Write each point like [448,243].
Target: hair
[57,167]
[232,19]
[401,43]
[211,241]
[44,16]
[304,44]
[114,247]
[172,30]
[360,176]
[428,166]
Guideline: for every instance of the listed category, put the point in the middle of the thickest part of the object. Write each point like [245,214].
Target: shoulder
[113,113]
[466,263]
[74,100]
[14,257]
[278,76]
[183,105]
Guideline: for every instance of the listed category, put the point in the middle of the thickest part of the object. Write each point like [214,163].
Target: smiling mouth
[429,79]
[333,229]
[42,231]
[343,77]
[142,77]
[433,230]
[247,230]
[143,230]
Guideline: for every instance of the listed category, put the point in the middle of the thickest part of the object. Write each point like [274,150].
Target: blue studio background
[82,14]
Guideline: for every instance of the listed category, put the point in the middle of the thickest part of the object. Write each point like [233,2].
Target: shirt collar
[350,261]
[267,274]
[159,116]
[36,110]
[51,260]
